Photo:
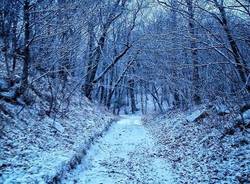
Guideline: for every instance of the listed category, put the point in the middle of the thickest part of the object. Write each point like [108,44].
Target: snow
[8,94]
[222,109]
[3,84]
[126,154]
[195,115]
[38,150]
[246,115]
[59,127]
[86,149]
[214,151]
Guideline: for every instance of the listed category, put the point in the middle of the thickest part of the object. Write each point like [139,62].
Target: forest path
[126,154]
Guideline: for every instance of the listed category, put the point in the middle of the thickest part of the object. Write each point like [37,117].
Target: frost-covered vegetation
[42,150]
[212,148]
[66,65]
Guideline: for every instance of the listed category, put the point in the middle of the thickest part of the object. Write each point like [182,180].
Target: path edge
[76,159]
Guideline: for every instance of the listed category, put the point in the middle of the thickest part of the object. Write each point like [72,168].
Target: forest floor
[214,148]
[197,146]
[126,154]
[201,145]
[35,149]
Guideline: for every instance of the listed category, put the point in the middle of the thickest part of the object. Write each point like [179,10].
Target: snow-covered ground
[126,154]
[35,150]
[213,149]
[202,145]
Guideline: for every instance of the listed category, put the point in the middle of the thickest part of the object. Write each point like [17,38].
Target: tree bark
[240,66]
[131,84]
[117,83]
[26,50]
[96,55]
[194,52]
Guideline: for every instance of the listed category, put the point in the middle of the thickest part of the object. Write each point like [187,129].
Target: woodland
[120,53]
[164,82]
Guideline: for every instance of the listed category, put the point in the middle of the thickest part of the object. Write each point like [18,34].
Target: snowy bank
[34,150]
[216,149]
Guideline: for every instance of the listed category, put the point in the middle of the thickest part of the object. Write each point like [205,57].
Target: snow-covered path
[126,154]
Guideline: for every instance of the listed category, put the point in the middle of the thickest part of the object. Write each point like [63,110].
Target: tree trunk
[14,44]
[240,66]
[131,84]
[95,56]
[90,63]
[194,53]
[5,33]
[110,90]
[26,51]
[174,53]
[142,99]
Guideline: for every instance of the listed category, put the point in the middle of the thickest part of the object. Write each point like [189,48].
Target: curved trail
[126,154]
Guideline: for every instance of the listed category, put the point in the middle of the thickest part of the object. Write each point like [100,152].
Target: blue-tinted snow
[127,154]
[34,150]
